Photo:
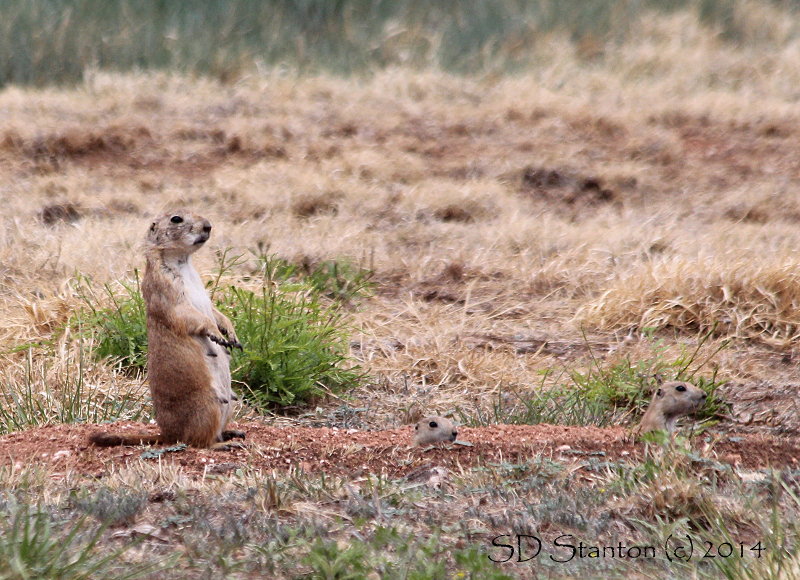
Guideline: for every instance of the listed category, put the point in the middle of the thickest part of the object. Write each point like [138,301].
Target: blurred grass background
[44,42]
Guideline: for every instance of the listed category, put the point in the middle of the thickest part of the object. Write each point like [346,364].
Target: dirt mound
[65,448]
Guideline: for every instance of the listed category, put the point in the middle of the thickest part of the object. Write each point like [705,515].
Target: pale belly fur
[219,366]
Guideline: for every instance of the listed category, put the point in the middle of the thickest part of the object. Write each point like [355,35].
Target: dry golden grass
[655,190]
[739,296]
[590,213]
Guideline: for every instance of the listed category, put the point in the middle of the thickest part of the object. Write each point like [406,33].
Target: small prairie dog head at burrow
[433,430]
[671,400]
[180,232]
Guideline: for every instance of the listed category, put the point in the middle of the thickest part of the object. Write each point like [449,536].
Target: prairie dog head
[181,231]
[434,429]
[671,400]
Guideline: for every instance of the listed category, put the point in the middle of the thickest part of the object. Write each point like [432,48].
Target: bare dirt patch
[130,150]
[559,187]
[65,448]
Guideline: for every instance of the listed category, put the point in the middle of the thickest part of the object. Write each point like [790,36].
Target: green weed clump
[294,347]
[295,343]
[604,394]
[120,330]
[339,280]
[626,387]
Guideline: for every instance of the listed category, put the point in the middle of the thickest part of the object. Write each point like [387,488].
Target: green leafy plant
[294,339]
[120,330]
[294,347]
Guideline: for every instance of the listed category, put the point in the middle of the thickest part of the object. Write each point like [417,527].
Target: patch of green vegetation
[604,394]
[554,406]
[737,529]
[295,348]
[628,385]
[394,554]
[44,41]
[331,560]
[37,544]
[120,330]
[43,397]
[340,280]
[295,343]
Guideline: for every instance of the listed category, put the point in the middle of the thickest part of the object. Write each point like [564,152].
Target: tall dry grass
[750,297]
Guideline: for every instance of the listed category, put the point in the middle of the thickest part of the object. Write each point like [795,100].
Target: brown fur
[434,429]
[188,361]
[671,400]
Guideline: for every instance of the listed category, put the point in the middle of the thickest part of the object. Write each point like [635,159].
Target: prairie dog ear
[659,393]
[153,226]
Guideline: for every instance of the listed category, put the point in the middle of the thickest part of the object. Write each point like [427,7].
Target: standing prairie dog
[671,400]
[434,429]
[188,361]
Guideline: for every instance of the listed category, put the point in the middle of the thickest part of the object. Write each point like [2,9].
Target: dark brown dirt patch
[454,213]
[77,143]
[565,187]
[60,213]
[312,204]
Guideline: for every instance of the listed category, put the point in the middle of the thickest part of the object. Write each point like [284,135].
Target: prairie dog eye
[680,388]
[176,219]
[433,424]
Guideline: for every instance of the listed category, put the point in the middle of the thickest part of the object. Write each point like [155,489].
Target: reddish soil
[65,448]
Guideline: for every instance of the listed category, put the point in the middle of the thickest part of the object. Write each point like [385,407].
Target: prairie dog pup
[434,429]
[188,361]
[671,400]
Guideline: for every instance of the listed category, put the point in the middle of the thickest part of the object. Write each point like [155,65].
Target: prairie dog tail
[107,440]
